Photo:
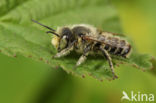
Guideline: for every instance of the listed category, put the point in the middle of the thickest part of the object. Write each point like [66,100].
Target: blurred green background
[23,80]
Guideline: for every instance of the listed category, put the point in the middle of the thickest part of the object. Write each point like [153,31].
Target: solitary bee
[87,39]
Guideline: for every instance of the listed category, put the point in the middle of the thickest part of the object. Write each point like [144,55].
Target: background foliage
[24,80]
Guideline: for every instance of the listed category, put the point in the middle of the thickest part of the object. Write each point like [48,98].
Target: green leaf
[19,36]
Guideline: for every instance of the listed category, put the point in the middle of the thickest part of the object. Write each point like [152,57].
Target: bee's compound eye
[66,31]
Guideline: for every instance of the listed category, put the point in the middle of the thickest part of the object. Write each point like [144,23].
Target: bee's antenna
[53,33]
[43,25]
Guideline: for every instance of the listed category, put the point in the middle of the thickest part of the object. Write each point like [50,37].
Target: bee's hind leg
[84,55]
[106,54]
[65,51]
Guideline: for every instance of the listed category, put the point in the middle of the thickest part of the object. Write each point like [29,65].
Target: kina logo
[137,96]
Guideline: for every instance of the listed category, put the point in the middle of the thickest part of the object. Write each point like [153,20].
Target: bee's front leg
[65,51]
[106,54]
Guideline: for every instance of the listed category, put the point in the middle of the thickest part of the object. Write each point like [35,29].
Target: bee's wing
[110,33]
[92,38]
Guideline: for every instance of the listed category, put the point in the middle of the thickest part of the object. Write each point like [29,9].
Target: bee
[88,40]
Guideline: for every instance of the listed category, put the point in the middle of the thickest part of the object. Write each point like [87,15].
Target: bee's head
[62,36]
[64,39]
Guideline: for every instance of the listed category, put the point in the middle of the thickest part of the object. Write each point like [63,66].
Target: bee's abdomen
[117,46]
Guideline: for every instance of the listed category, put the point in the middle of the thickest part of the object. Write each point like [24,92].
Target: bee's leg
[81,60]
[65,51]
[84,55]
[106,54]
